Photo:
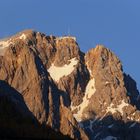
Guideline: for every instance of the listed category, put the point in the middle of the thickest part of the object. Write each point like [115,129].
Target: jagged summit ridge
[84,96]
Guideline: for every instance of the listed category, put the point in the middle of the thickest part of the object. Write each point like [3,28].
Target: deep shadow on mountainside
[50,89]
[121,130]
[16,123]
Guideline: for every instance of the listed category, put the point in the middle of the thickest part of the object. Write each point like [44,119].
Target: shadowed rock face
[132,90]
[60,87]
[16,120]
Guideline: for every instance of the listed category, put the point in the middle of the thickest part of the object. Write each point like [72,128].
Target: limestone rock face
[106,69]
[84,96]
[23,67]
[108,104]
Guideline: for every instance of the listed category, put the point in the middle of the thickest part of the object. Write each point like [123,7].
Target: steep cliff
[83,96]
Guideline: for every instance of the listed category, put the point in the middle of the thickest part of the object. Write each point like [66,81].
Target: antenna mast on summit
[68,31]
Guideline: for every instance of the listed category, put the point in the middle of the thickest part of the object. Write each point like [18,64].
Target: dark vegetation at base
[16,125]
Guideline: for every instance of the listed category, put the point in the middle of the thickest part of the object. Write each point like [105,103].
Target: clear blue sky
[114,23]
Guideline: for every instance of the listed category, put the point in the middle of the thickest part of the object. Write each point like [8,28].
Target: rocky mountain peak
[84,96]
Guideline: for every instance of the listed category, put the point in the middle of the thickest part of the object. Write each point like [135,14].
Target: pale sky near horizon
[113,23]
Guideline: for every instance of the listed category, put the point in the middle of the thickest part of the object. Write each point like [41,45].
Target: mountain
[49,85]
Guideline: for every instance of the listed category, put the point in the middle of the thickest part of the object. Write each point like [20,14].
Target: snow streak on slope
[119,108]
[110,138]
[4,44]
[58,72]
[90,90]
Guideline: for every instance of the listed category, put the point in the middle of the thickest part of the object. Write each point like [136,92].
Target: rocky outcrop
[84,96]
[108,103]
[23,67]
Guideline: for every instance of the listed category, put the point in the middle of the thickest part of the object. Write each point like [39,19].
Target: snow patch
[66,37]
[133,119]
[132,125]
[90,90]
[92,122]
[58,72]
[90,125]
[110,138]
[107,83]
[110,126]
[98,134]
[134,113]
[3,46]
[119,108]
[23,36]
[90,72]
